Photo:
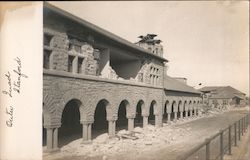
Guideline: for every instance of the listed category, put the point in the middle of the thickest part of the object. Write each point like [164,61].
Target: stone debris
[140,141]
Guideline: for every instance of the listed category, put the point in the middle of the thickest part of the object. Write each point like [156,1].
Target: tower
[153,45]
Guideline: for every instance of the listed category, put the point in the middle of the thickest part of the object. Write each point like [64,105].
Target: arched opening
[165,114]
[193,112]
[71,128]
[172,110]
[189,108]
[179,110]
[44,134]
[100,124]
[122,121]
[184,109]
[138,117]
[151,117]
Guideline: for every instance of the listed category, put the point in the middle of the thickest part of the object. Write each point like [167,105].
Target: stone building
[223,96]
[96,82]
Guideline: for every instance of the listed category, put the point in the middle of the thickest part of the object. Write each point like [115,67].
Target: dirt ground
[166,143]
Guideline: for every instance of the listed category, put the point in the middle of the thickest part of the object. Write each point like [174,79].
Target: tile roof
[175,85]
[102,32]
[223,92]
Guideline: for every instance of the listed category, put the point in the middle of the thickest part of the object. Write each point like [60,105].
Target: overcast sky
[206,42]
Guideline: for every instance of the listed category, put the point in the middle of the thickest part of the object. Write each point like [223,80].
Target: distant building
[223,96]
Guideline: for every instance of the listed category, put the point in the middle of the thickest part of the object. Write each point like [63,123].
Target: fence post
[229,140]
[242,127]
[207,149]
[239,130]
[243,120]
[221,145]
[245,128]
[246,123]
[235,134]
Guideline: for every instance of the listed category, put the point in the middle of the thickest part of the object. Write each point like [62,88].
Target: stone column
[158,120]
[175,116]
[89,131]
[55,139]
[145,121]
[169,117]
[84,132]
[49,139]
[181,117]
[112,127]
[195,112]
[130,124]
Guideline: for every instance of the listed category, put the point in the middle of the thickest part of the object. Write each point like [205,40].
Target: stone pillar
[89,131]
[49,139]
[195,112]
[175,116]
[169,117]
[112,127]
[55,139]
[185,114]
[158,120]
[181,114]
[130,124]
[84,132]
[145,121]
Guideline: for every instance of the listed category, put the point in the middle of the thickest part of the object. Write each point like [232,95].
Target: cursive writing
[17,83]
[15,86]
[9,112]
[9,92]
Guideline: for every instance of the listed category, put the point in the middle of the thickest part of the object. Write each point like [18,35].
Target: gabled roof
[175,85]
[104,33]
[223,92]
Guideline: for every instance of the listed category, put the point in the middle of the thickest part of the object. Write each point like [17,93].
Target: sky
[206,42]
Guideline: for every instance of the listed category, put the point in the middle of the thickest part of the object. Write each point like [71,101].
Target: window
[156,51]
[47,59]
[79,66]
[154,75]
[75,57]
[70,63]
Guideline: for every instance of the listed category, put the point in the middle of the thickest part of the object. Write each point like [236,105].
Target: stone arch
[130,110]
[122,114]
[189,107]
[110,107]
[174,109]
[101,117]
[166,106]
[180,108]
[165,110]
[77,95]
[70,122]
[185,106]
[152,112]
[174,106]
[139,112]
